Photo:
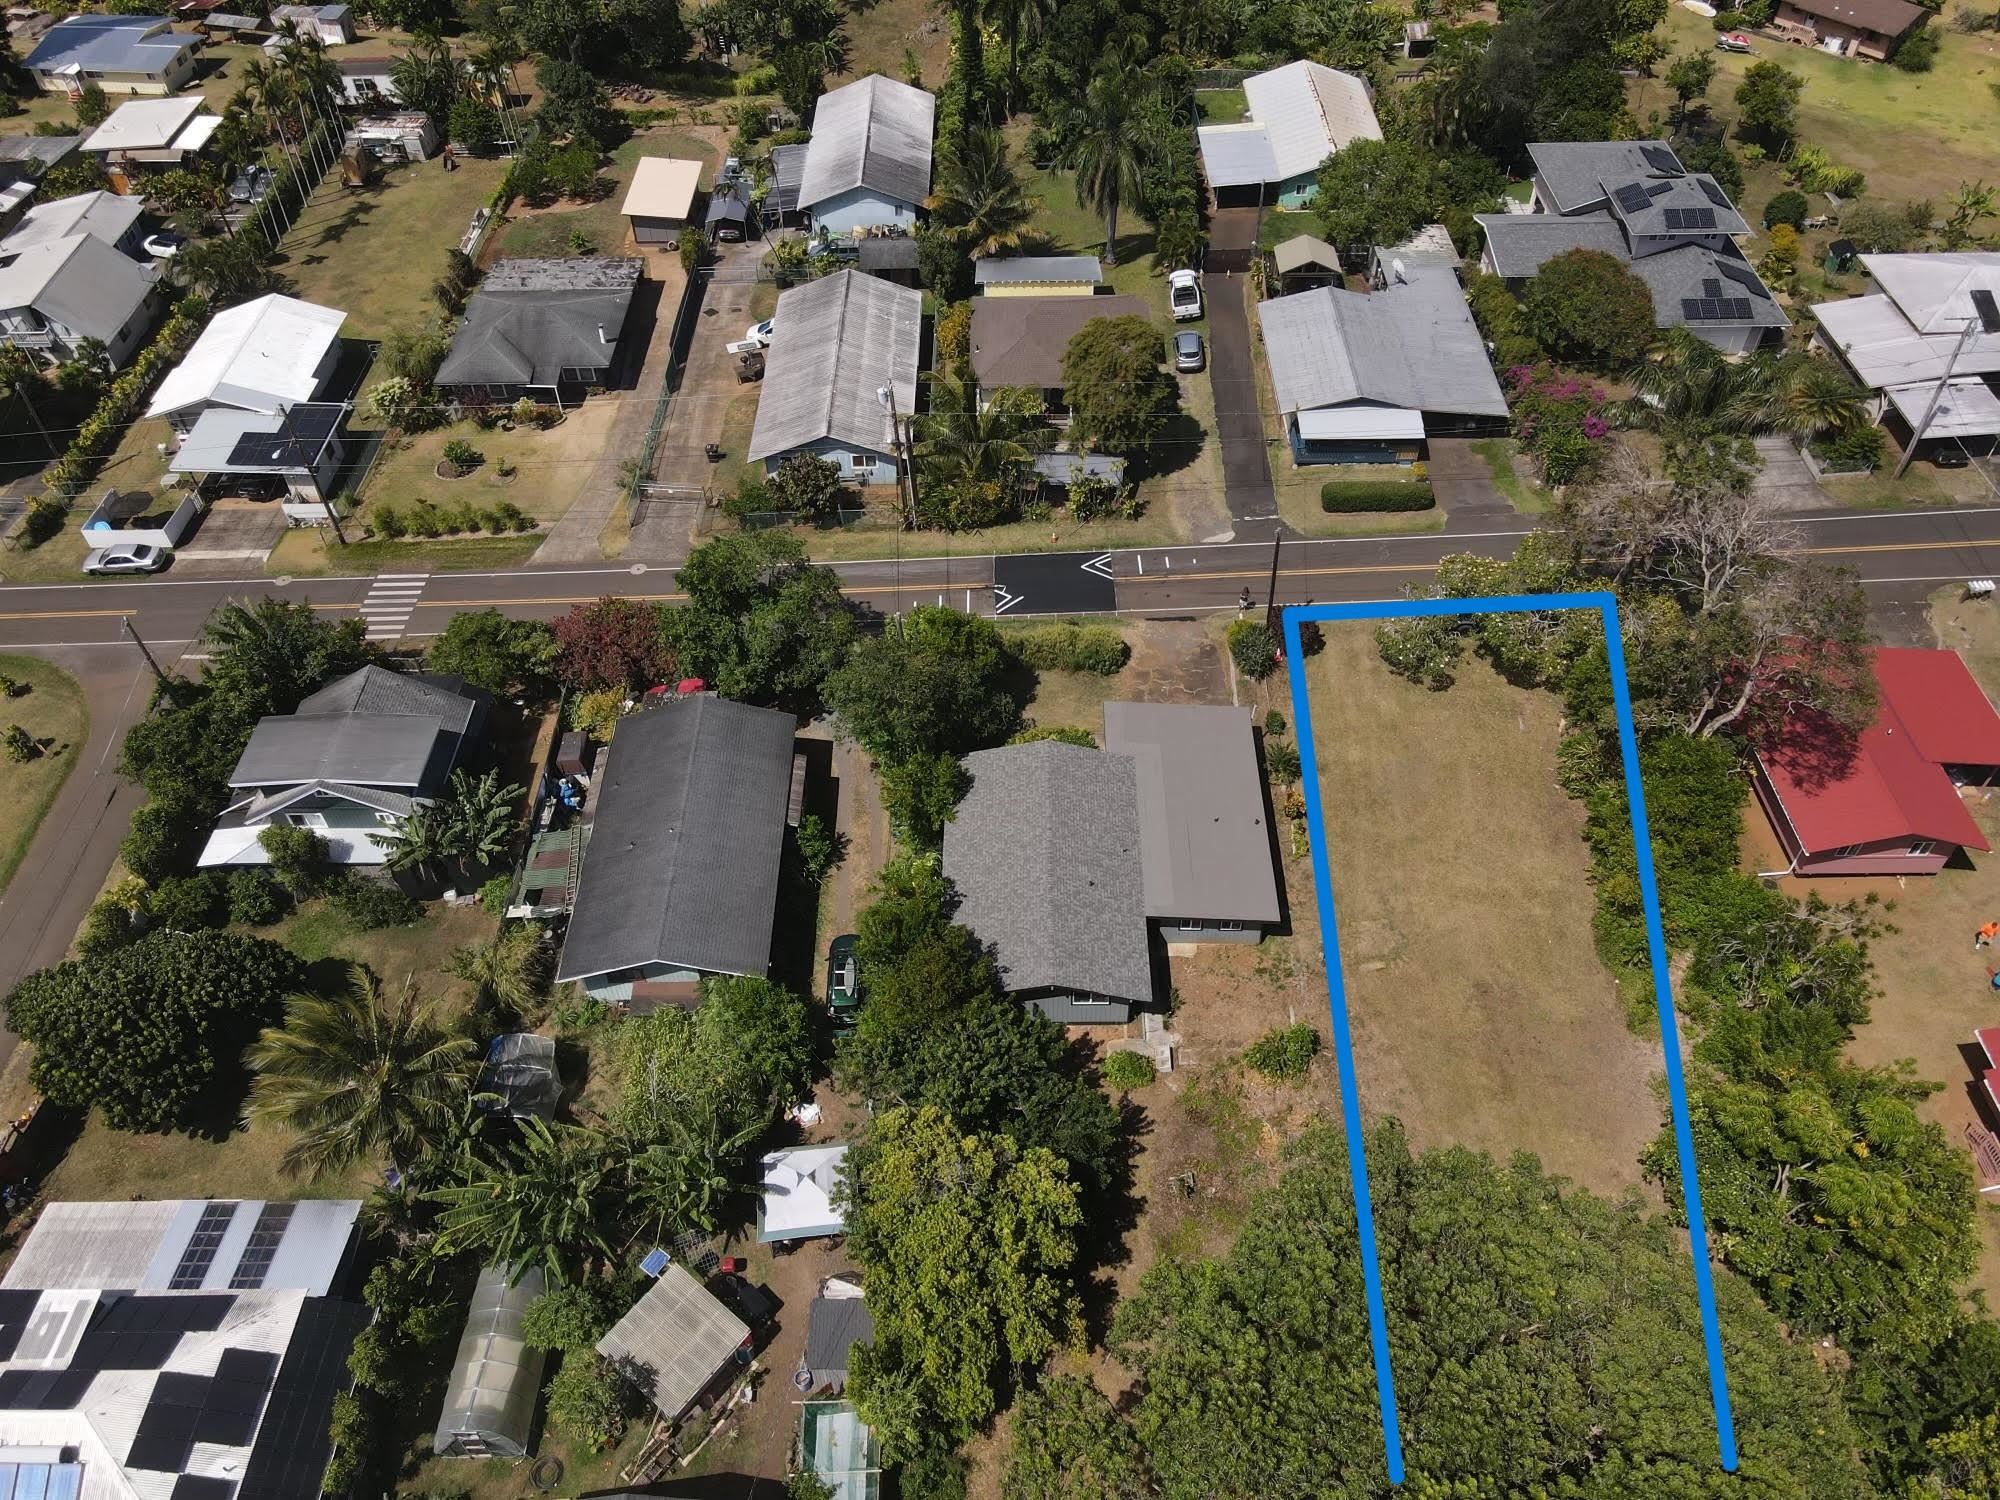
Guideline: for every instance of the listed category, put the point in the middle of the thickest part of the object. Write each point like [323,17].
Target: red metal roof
[1946,714]
[1887,785]
[1988,1038]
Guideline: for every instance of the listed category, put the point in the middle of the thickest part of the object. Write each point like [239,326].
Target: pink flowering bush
[1558,419]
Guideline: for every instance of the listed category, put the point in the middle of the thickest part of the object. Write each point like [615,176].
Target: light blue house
[1300,115]
[836,344]
[869,161]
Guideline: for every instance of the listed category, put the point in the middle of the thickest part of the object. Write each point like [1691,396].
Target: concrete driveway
[1465,489]
[234,538]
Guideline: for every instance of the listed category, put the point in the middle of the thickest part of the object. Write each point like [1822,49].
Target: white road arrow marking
[1100,565]
[1003,600]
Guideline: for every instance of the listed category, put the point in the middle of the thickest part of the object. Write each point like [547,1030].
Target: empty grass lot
[53,711]
[1481,1013]
[374,252]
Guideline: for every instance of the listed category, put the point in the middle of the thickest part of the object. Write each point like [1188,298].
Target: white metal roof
[145,1246]
[1237,155]
[1884,349]
[1969,408]
[1363,419]
[874,133]
[144,124]
[798,1193]
[103,216]
[1309,112]
[260,356]
[1934,291]
[663,187]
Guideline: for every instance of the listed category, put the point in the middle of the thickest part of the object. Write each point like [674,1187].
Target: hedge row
[1072,648]
[1376,494]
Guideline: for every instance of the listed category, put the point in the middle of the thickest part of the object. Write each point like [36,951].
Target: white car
[165,245]
[1184,295]
[759,333]
[136,558]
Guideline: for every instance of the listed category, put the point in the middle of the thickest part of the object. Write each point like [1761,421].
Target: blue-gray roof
[1064,468]
[994,270]
[109,44]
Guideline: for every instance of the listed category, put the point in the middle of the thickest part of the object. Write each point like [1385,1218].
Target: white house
[56,293]
[1300,115]
[332,25]
[365,82]
[266,355]
[869,161]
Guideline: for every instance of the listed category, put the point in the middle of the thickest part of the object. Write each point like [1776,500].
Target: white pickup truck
[1184,295]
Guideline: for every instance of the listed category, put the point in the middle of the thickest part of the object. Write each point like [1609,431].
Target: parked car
[1733,41]
[1189,355]
[843,979]
[136,558]
[250,185]
[759,333]
[165,245]
[1951,458]
[1184,295]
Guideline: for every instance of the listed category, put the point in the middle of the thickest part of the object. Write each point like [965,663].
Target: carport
[297,448]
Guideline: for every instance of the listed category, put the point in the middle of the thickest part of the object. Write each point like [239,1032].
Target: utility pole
[292,446]
[905,499]
[1271,593]
[1985,318]
[158,675]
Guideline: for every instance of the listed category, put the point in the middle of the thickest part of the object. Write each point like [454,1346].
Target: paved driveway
[1232,375]
[1464,486]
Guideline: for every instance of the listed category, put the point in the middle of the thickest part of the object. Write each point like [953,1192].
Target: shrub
[1091,497]
[186,903]
[107,926]
[694,250]
[1788,207]
[1558,420]
[1350,495]
[21,745]
[156,845]
[255,899]
[1860,447]
[387,522]
[1070,647]
[819,847]
[1918,52]
[577,1011]
[462,455]
[1281,761]
[1253,648]
[1285,1054]
[806,484]
[298,858]
[596,714]
[1065,734]
[493,895]
[1126,1071]
[589,1400]
[1274,722]
[370,904]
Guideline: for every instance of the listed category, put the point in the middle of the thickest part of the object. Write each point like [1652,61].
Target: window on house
[306,819]
[1192,924]
[1228,926]
[1090,999]
[1921,847]
[1845,851]
[387,820]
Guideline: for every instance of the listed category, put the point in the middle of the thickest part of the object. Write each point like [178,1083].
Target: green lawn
[1282,224]
[310,551]
[550,466]
[546,232]
[876,536]
[52,710]
[375,252]
[1222,106]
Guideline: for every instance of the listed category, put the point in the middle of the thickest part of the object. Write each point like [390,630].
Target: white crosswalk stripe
[390,601]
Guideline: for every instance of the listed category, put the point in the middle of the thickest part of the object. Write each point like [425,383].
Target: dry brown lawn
[1480,1011]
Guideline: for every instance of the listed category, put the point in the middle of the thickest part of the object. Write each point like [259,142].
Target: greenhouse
[489,1408]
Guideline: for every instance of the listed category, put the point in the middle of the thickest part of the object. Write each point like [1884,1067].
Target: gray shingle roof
[834,1325]
[1045,854]
[674,1340]
[1009,270]
[1020,340]
[532,319]
[1204,836]
[377,690]
[1694,204]
[1575,172]
[1520,243]
[874,133]
[687,833]
[391,750]
[1413,344]
[78,281]
[835,342]
[1695,273]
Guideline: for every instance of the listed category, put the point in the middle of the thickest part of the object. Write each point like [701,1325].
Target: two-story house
[60,289]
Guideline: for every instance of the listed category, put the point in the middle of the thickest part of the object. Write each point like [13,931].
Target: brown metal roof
[1020,340]
[1890,18]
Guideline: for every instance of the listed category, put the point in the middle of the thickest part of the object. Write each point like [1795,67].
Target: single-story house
[1037,275]
[1429,246]
[1370,377]
[1887,802]
[788,172]
[1305,261]
[1900,338]
[300,444]
[869,160]
[1045,854]
[351,762]
[544,329]
[836,343]
[660,201]
[120,54]
[177,1348]
[1020,341]
[365,82]
[675,1341]
[114,220]
[160,133]
[1300,115]
[837,1320]
[56,293]
[33,156]
[682,854]
[796,1200]
[1205,852]
[1869,29]
[332,25]
[265,355]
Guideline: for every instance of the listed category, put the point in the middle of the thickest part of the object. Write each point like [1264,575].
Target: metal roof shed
[489,1407]
[674,1340]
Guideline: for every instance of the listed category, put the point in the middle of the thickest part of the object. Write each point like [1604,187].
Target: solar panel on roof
[1742,275]
[1711,286]
[1698,218]
[199,1253]
[202,1487]
[262,1246]
[1632,197]
[1660,159]
[1739,307]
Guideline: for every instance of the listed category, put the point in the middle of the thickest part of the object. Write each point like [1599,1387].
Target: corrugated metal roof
[1934,291]
[1942,706]
[1011,270]
[835,342]
[874,133]
[1236,155]
[1309,112]
[78,281]
[788,166]
[102,216]
[1968,409]
[677,1337]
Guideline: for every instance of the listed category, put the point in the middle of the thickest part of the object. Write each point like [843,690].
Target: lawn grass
[311,551]
[136,464]
[1222,106]
[374,252]
[1481,1012]
[550,466]
[546,232]
[875,536]
[53,711]
[1281,224]
[1499,453]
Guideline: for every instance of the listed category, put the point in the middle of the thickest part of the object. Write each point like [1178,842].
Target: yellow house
[1038,275]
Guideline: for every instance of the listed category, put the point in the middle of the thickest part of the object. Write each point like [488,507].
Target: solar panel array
[1714,191]
[1741,274]
[1715,309]
[262,1246]
[1660,159]
[1690,218]
[199,1254]
[222,1408]
[1633,197]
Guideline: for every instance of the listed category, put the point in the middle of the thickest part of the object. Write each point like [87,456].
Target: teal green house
[1300,114]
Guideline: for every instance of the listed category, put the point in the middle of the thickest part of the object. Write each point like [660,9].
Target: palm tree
[1107,148]
[355,1076]
[1016,21]
[1810,398]
[959,443]
[1692,392]
[512,971]
[548,1198]
[682,1182]
[980,194]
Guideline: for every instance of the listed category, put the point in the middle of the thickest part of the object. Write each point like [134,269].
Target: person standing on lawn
[1984,937]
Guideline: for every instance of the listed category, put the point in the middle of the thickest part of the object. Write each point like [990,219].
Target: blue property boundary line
[1656,943]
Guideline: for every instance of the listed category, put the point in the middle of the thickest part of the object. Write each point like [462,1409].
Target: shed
[489,1407]
[1305,261]
[521,1070]
[661,198]
[837,1321]
[797,1200]
[675,1340]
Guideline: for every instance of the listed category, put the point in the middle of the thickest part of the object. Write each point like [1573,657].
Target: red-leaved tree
[612,643]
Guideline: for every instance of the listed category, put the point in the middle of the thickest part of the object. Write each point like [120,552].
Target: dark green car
[843,979]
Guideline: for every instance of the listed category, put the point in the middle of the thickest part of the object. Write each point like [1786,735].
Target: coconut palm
[1016,21]
[959,443]
[512,971]
[356,1076]
[1107,146]
[1806,397]
[980,195]
[1692,392]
